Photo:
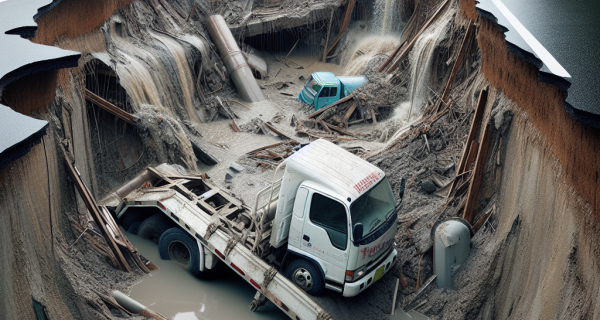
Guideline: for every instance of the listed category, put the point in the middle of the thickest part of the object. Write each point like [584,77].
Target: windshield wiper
[374,223]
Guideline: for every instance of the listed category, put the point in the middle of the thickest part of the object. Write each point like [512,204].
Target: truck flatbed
[221,230]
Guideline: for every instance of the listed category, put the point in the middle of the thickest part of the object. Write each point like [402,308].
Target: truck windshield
[374,207]
[313,85]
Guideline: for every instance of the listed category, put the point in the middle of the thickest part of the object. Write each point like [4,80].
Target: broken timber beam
[475,126]
[317,113]
[273,146]
[400,46]
[338,129]
[348,114]
[483,219]
[458,63]
[345,24]
[272,128]
[111,108]
[92,206]
[328,33]
[192,12]
[234,126]
[473,192]
[414,40]
[472,154]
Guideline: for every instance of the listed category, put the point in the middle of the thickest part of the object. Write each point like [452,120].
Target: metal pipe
[234,60]
[129,186]
[134,306]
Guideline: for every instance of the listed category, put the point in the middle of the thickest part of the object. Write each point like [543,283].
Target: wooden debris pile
[269,157]
[366,104]
[101,230]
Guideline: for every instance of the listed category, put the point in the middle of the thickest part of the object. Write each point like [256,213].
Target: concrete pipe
[134,306]
[234,60]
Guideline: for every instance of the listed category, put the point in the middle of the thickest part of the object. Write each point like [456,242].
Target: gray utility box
[451,247]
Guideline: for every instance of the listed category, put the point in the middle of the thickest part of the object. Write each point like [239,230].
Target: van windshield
[374,207]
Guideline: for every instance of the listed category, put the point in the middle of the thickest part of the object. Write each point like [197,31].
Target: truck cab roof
[335,168]
[325,78]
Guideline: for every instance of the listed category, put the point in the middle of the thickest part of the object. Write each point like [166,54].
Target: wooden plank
[92,206]
[111,108]
[272,146]
[338,129]
[318,112]
[414,40]
[325,127]
[272,128]
[483,219]
[373,117]
[458,63]
[192,12]
[475,125]
[391,57]
[473,192]
[328,33]
[472,154]
[345,24]
[348,114]
[234,126]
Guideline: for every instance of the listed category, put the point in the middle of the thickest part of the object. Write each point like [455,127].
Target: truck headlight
[354,275]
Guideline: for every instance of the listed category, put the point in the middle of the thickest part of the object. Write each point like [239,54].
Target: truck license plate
[378,274]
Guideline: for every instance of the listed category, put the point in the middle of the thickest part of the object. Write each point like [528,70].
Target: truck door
[327,96]
[325,234]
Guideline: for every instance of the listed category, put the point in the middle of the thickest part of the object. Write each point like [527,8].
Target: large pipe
[134,306]
[129,186]
[234,60]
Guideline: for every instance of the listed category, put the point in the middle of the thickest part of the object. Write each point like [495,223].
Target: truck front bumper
[353,288]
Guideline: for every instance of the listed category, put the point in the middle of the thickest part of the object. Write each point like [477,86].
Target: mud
[176,294]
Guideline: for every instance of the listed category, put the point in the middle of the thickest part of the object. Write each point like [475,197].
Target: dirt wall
[577,146]
[546,244]
[550,272]
[37,259]
[72,18]
[28,224]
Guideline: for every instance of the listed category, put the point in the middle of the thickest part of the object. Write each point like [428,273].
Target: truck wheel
[134,228]
[175,244]
[154,227]
[305,275]
[131,217]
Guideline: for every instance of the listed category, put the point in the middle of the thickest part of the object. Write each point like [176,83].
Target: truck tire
[130,217]
[176,245]
[154,227]
[305,275]
[134,228]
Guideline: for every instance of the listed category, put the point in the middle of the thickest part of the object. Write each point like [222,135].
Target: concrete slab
[525,44]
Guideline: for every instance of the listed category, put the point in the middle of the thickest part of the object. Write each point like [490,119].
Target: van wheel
[305,275]
[154,227]
[175,244]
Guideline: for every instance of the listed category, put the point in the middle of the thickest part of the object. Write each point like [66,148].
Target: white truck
[328,222]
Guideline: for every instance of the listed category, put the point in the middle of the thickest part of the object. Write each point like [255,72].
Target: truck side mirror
[357,232]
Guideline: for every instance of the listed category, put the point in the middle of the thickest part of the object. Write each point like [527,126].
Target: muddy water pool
[178,295]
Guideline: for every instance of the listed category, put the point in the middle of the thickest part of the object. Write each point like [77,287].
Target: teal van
[324,88]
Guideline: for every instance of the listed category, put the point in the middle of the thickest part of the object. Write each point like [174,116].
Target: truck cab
[336,218]
[324,88]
